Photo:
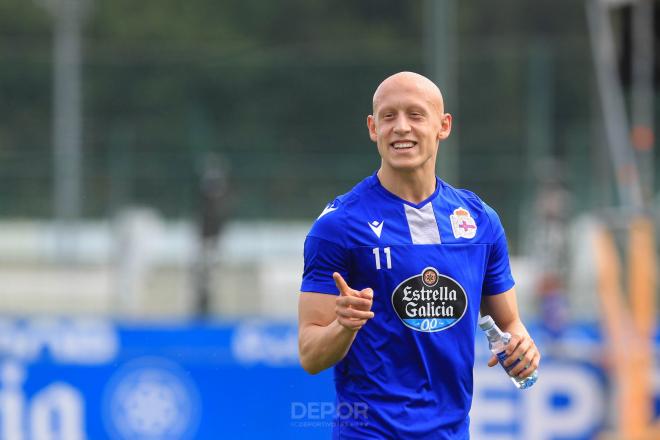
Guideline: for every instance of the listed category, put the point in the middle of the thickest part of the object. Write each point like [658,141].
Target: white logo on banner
[150,399]
[77,341]
[254,343]
[496,404]
[56,411]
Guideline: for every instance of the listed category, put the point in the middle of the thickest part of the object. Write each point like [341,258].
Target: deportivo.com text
[324,414]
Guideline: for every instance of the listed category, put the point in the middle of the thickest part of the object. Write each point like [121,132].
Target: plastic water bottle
[497,340]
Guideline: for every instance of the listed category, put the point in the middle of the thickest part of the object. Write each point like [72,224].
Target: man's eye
[388,115]
[415,115]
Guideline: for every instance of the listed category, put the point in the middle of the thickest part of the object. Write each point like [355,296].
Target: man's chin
[405,166]
[404,170]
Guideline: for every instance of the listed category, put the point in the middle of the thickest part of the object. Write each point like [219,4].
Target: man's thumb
[492,361]
[341,284]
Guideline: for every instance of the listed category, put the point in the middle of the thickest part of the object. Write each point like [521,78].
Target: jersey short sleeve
[498,278]
[322,258]
[325,252]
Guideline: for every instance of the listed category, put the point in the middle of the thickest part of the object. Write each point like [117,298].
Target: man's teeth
[401,145]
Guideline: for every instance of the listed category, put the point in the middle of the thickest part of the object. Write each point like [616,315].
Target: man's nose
[402,125]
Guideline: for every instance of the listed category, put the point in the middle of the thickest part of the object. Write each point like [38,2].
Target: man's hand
[520,347]
[353,308]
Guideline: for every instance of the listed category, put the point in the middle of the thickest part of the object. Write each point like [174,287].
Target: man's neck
[414,187]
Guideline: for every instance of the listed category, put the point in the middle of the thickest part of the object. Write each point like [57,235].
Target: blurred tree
[282,90]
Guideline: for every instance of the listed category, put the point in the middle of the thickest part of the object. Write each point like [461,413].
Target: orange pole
[641,290]
[628,326]
[615,320]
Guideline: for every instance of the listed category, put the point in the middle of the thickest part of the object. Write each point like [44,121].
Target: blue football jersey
[408,374]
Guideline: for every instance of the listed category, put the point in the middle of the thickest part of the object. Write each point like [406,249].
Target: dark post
[213,214]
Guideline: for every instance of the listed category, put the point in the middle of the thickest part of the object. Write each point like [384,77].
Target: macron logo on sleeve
[328,209]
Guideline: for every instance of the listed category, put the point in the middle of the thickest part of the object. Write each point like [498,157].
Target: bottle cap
[486,322]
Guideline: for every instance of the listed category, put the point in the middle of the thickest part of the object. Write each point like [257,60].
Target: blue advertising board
[79,378]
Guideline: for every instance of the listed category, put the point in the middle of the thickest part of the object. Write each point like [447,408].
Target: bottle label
[501,356]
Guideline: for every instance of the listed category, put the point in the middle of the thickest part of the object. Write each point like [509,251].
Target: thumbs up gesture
[353,307]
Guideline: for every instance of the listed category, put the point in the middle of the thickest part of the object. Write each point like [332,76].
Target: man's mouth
[403,145]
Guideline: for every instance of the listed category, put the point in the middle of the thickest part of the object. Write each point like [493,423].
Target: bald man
[396,272]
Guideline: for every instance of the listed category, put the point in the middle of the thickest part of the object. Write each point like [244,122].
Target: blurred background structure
[162,162]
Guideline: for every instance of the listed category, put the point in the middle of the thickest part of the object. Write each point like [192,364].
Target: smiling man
[396,272]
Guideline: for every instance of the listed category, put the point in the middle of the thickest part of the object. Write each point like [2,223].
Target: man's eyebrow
[384,109]
[418,109]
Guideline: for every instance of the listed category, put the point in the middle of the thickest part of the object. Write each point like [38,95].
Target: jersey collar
[375,182]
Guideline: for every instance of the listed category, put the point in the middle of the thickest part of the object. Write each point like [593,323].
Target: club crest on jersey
[462,224]
[429,301]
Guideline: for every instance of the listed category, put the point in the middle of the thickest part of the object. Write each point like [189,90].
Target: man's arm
[327,324]
[503,308]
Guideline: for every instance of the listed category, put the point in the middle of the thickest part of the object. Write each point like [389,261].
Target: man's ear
[445,126]
[371,125]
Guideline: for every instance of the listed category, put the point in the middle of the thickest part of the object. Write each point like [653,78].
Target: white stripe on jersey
[422,224]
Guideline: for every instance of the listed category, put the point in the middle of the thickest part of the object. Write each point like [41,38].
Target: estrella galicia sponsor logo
[430,301]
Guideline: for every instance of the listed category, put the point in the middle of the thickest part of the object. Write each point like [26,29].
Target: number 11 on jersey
[388,257]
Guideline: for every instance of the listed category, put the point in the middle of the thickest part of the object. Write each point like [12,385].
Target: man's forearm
[321,347]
